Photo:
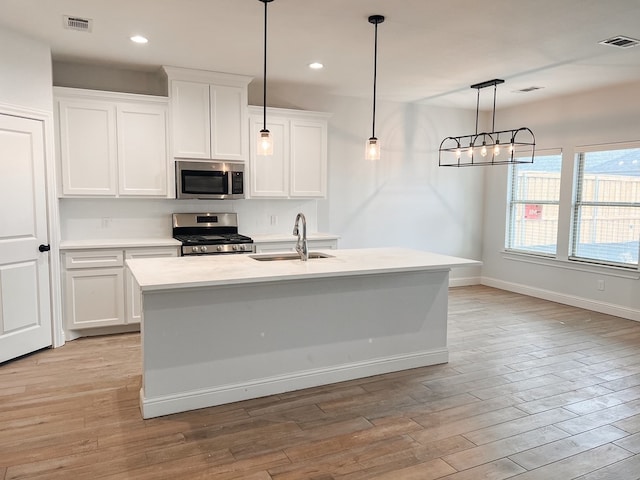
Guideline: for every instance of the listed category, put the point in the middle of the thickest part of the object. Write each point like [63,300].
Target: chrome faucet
[301,244]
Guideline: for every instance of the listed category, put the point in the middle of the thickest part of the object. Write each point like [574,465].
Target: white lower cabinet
[99,291]
[290,246]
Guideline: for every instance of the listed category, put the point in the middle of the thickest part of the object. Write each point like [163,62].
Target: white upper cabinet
[87,146]
[208,114]
[298,167]
[308,163]
[190,124]
[142,149]
[269,175]
[112,144]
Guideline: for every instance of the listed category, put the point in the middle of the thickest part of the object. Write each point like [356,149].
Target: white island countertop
[156,274]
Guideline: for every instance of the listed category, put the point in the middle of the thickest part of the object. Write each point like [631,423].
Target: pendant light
[372,149]
[265,141]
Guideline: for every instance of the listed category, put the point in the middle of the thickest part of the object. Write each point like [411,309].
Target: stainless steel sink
[287,256]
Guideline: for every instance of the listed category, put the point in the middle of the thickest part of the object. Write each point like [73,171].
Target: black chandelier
[488,148]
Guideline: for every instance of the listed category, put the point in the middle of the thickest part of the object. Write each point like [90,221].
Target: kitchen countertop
[156,274]
[172,242]
[283,237]
[118,243]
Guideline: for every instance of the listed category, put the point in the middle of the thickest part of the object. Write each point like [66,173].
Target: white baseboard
[70,335]
[574,301]
[464,281]
[164,405]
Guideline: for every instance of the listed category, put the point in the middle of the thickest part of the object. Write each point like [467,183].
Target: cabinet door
[308,162]
[228,122]
[87,147]
[142,149]
[191,123]
[133,296]
[269,175]
[94,297]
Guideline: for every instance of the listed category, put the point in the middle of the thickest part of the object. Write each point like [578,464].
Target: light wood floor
[534,390]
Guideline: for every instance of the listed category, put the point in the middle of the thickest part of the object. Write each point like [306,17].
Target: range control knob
[219,248]
[235,247]
[194,249]
[203,249]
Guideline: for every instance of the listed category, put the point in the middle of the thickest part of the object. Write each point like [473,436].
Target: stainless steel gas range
[210,234]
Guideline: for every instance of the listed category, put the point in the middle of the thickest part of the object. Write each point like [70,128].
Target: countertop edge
[292,277]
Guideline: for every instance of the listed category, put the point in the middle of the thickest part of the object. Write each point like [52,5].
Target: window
[606,213]
[534,197]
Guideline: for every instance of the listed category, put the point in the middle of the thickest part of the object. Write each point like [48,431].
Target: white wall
[99,77]
[91,218]
[597,117]
[25,72]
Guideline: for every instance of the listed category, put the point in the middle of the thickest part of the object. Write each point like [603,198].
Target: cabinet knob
[44,248]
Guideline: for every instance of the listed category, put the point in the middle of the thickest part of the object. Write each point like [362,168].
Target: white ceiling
[429,51]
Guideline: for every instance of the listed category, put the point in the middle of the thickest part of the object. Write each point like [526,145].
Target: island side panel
[208,346]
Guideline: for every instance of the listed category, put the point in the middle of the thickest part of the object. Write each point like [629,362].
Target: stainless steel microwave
[209,179]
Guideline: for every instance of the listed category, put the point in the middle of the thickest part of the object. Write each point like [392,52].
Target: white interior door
[25,312]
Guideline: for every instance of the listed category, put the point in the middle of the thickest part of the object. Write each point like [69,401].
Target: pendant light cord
[375,76]
[264,81]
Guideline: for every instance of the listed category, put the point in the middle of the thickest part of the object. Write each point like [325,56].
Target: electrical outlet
[601,285]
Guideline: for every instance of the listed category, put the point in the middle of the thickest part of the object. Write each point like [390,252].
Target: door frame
[53,218]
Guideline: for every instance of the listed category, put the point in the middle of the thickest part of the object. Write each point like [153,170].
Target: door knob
[44,248]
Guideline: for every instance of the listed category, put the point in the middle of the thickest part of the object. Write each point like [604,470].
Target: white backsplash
[89,218]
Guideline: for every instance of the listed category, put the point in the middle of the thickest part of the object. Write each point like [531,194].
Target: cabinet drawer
[151,252]
[93,258]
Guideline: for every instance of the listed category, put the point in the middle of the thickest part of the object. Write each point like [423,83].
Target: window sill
[548,261]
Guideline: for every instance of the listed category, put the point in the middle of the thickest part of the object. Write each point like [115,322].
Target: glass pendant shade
[265,143]
[372,151]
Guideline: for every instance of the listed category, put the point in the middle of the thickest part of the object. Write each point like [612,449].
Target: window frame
[512,204]
[577,203]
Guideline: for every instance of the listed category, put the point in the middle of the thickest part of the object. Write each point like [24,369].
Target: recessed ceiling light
[316,65]
[139,39]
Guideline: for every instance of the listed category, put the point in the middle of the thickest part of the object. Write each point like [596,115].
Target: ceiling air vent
[528,89]
[77,23]
[620,42]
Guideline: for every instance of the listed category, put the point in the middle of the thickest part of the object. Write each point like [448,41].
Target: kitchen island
[219,329]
